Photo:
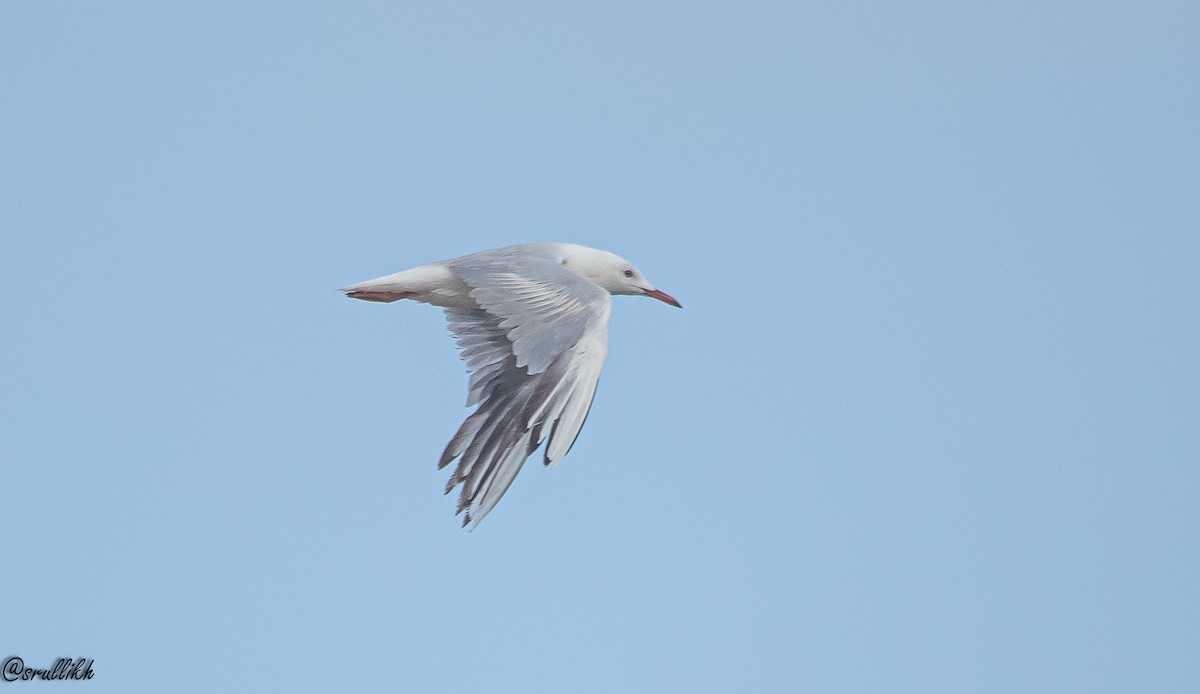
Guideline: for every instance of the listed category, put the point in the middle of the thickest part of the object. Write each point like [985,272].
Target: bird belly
[435,284]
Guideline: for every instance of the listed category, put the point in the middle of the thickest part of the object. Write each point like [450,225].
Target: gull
[531,323]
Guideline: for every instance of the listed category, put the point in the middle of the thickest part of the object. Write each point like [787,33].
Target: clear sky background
[928,422]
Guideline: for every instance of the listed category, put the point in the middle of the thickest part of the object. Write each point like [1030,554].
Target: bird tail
[430,283]
[384,289]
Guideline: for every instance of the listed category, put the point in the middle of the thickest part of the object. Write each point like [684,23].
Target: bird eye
[628,272]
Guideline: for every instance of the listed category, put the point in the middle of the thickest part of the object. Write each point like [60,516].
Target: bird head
[613,273]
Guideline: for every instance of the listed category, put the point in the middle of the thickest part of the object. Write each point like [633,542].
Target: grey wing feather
[544,308]
[534,368]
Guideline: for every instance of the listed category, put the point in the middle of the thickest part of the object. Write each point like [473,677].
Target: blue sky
[928,422]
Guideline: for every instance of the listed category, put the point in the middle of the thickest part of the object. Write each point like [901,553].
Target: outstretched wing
[535,348]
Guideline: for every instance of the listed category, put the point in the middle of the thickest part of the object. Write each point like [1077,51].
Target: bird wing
[534,348]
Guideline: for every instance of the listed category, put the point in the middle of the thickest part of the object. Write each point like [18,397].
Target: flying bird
[531,323]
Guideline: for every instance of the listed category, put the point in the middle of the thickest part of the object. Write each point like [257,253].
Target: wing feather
[535,348]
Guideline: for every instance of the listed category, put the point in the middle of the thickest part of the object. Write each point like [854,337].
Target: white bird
[531,322]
